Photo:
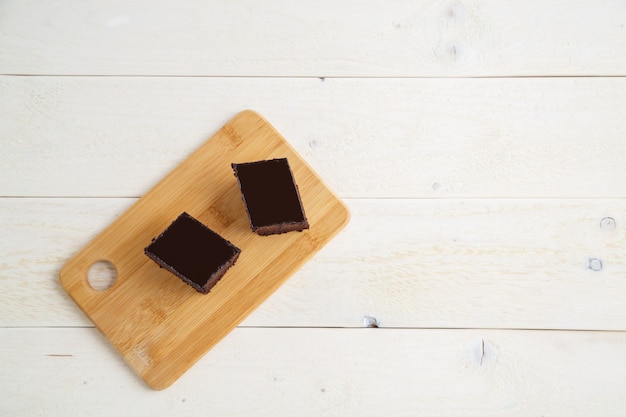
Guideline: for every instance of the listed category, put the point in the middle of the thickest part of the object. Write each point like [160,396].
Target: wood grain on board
[323,38]
[162,326]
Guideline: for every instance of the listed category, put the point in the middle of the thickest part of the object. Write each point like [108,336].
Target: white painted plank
[324,38]
[465,263]
[75,136]
[331,372]
[408,263]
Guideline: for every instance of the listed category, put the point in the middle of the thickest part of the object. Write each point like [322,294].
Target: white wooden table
[480,146]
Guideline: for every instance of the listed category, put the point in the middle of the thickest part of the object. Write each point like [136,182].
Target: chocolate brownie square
[193,252]
[271,196]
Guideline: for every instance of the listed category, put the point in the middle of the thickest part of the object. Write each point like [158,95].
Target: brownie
[271,196]
[193,252]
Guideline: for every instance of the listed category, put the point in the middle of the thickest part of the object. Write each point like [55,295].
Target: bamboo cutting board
[160,325]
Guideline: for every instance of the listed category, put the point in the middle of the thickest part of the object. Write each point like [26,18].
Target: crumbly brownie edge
[165,265]
[213,279]
[276,229]
[221,271]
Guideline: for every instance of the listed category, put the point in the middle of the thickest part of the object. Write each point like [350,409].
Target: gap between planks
[381,328]
[307,77]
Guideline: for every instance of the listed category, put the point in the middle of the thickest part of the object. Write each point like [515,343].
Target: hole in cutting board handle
[101,275]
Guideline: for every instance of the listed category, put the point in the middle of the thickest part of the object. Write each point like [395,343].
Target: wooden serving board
[160,325]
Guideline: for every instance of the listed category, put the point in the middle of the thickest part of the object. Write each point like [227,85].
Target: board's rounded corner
[251,113]
[347,215]
[157,384]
